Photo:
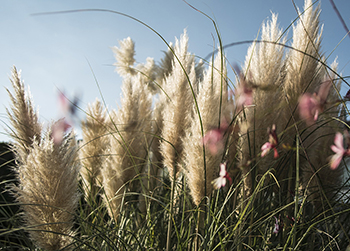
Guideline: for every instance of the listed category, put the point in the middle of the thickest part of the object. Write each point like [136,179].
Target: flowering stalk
[264,65]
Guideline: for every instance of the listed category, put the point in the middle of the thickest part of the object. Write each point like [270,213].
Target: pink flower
[223,175]
[214,139]
[265,149]
[339,150]
[277,227]
[59,128]
[310,105]
[308,108]
[243,93]
[271,144]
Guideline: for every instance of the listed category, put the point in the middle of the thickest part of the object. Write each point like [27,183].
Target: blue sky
[54,51]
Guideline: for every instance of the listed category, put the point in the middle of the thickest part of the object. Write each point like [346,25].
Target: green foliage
[225,222]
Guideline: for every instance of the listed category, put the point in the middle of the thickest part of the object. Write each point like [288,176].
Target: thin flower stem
[340,17]
[168,243]
[296,191]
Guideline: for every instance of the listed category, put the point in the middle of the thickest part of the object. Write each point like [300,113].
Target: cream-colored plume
[125,61]
[264,67]
[166,65]
[24,119]
[94,147]
[124,56]
[47,192]
[129,141]
[177,109]
[304,73]
[200,171]
[47,174]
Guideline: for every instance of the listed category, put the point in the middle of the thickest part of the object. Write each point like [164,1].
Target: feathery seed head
[125,57]
[95,146]
[23,117]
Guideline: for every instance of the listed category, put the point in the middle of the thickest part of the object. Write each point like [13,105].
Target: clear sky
[54,51]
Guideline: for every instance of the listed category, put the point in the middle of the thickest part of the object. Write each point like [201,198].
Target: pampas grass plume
[48,192]
[47,174]
[24,119]
[199,179]
[177,111]
[129,141]
[95,145]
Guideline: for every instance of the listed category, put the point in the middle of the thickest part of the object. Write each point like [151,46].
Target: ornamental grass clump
[255,162]
[47,175]
[279,82]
